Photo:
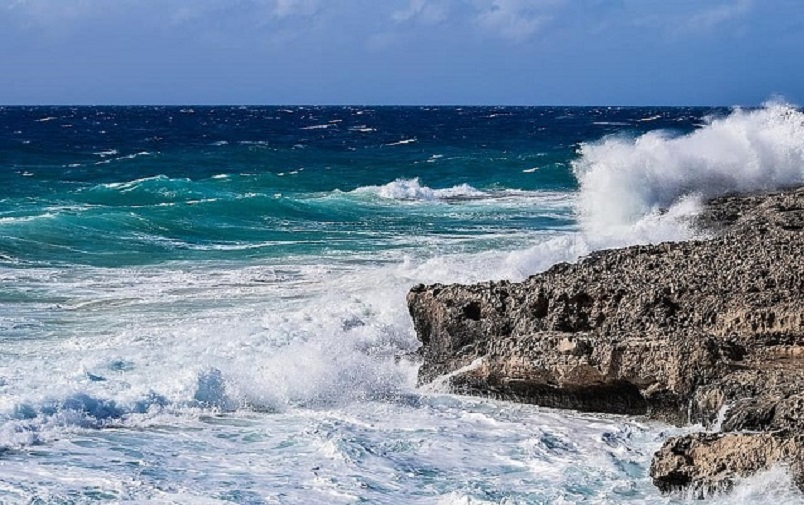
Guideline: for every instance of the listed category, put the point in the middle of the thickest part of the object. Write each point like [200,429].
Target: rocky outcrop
[676,331]
[708,462]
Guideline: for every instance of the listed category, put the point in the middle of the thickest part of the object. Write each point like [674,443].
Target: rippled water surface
[207,305]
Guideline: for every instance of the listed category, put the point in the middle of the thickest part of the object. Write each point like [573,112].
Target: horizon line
[208,105]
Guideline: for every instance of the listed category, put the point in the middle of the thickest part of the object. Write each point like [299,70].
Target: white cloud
[718,14]
[286,8]
[259,10]
[424,11]
[175,10]
[516,20]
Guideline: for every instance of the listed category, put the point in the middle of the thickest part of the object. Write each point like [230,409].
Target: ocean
[207,304]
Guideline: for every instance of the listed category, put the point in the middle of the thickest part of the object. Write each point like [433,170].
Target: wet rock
[710,462]
[703,331]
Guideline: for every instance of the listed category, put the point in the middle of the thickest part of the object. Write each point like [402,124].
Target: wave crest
[412,189]
[623,180]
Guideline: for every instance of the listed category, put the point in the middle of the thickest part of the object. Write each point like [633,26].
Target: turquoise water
[207,305]
[122,186]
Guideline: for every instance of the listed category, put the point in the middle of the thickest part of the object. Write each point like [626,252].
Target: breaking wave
[627,180]
[284,366]
[412,189]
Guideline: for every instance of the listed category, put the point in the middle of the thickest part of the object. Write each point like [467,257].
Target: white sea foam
[24,219]
[412,189]
[301,358]
[630,182]
[362,129]
[283,381]
[291,372]
[133,184]
[773,486]
[402,142]
[108,160]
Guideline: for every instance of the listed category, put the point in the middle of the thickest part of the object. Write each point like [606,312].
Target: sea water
[207,304]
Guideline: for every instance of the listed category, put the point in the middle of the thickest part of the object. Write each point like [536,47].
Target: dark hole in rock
[472,311]
[541,307]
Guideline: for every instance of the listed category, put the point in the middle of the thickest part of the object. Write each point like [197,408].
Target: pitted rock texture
[677,331]
[709,462]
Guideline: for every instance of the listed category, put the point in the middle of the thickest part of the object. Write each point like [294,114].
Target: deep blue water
[133,185]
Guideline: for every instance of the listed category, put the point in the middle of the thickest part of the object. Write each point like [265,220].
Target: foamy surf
[191,327]
[624,181]
[412,189]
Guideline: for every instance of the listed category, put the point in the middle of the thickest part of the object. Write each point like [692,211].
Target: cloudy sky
[529,52]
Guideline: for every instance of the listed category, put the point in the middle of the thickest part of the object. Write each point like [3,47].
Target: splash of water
[626,181]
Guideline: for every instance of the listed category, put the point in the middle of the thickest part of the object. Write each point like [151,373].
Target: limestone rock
[709,462]
[678,331]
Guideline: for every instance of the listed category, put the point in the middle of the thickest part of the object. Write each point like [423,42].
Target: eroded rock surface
[677,331]
[708,462]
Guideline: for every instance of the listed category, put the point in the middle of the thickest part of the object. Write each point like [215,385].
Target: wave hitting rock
[704,331]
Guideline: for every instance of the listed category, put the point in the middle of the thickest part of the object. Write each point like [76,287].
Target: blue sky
[528,52]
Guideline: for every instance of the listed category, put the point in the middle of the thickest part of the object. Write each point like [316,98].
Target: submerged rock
[675,331]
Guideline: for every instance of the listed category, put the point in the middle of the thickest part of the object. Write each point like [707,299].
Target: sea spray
[190,325]
[623,180]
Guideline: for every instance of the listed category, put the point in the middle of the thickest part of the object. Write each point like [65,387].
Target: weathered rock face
[709,462]
[647,326]
[676,331]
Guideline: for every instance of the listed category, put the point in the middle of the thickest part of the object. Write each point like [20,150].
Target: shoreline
[705,331]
